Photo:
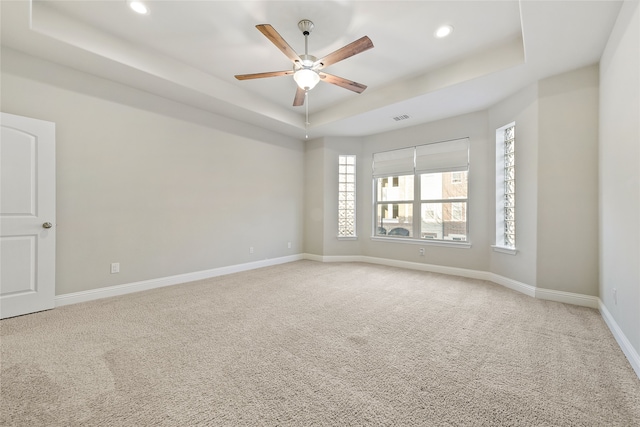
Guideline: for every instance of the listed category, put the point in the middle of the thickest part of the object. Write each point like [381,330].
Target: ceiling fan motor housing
[305,26]
[306,61]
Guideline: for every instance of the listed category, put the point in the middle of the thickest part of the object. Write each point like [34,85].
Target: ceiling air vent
[402,117]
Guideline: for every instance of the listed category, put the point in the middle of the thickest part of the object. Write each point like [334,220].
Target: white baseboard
[567,297]
[532,291]
[127,288]
[454,271]
[623,342]
[514,285]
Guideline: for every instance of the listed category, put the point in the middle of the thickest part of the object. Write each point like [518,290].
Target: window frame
[501,193]
[346,209]
[417,202]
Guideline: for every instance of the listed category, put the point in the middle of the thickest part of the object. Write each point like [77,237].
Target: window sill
[449,244]
[347,237]
[504,250]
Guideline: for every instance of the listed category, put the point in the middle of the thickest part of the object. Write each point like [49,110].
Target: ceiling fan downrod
[306,61]
[306,26]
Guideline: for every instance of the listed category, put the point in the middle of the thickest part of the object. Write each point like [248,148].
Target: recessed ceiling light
[443,31]
[138,7]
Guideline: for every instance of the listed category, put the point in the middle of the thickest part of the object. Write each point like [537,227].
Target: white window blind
[443,156]
[437,157]
[396,162]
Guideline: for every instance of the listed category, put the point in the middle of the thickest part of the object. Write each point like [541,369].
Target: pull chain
[306,122]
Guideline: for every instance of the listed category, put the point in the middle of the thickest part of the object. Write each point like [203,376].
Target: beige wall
[160,195]
[335,146]
[522,108]
[619,153]
[314,206]
[556,133]
[481,172]
[567,226]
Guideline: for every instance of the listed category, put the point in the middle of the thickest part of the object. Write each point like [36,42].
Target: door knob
[47,225]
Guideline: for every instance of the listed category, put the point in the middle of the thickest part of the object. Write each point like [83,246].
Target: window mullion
[417,208]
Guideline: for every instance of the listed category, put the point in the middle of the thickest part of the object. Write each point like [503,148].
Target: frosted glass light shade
[306,79]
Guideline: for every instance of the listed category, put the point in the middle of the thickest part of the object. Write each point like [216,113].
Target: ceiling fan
[306,68]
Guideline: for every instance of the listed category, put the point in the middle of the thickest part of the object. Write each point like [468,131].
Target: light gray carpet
[307,343]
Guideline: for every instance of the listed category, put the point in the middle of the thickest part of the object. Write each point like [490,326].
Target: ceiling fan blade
[263,75]
[345,52]
[339,81]
[298,100]
[277,40]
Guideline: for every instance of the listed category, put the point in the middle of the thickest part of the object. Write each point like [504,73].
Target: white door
[27,215]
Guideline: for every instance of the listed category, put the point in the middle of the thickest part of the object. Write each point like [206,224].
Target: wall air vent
[402,117]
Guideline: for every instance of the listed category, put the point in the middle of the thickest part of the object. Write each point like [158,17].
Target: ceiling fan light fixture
[306,78]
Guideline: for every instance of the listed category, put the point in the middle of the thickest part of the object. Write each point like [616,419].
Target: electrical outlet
[421,251]
[115,267]
[289,245]
[250,249]
[615,296]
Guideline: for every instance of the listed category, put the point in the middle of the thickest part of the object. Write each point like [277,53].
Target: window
[440,216]
[506,187]
[395,208]
[346,196]
[428,180]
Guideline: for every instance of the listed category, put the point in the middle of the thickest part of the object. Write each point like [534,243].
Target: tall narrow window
[346,196]
[506,187]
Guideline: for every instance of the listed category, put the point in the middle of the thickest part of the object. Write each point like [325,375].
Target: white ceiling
[189,51]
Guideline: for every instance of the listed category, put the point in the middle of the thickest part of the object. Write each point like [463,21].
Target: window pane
[509,160]
[509,133]
[509,214]
[394,219]
[509,146]
[444,221]
[510,173]
[395,188]
[509,227]
[510,200]
[509,187]
[510,240]
[447,185]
